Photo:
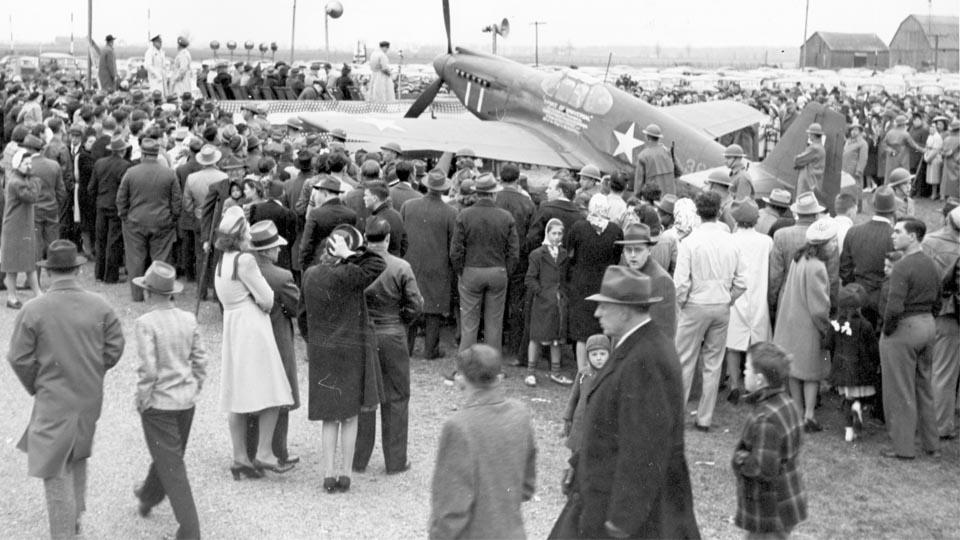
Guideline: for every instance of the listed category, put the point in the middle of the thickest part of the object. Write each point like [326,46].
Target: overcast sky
[417,24]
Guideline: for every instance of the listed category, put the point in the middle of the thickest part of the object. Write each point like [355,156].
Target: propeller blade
[446,23]
[425,99]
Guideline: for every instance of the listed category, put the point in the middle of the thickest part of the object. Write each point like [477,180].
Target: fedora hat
[636,233]
[118,144]
[437,181]
[161,278]
[807,204]
[350,234]
[230,163]
[884,201]
[149,146]
[815,129]
[591,171]
[745,211]
[209,155]
[486,183]
[231,221]
[778,197]
[898,177]
[62,255]
[623,285]
[338,134]
[329,183]
[667,203]
[653,130]
[264,235]
[393,147]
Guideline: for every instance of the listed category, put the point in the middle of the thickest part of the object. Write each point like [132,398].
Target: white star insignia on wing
[626,143]
[383,124]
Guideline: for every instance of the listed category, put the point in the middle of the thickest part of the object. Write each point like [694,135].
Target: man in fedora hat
[788,240]
[655,164]
[776,207]
[104,183]
[637,244]
[328,212]
[864,248]
[148,204]
[171,373]
[896,146]
[107,72]
[639,393]
[430,223]
[62,344]
[516,201]
[485,249]
[811,161]
[710,276]
[266,244]
[155,62]
[195,192]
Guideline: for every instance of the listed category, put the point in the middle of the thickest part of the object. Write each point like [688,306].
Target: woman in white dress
[749,315]
[381,78]
[252,377]
[931,155]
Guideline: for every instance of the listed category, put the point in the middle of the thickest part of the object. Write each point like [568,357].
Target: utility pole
[10,17]
[536,42]
[148,26]
[293,30]
[803,47]
[89,42]
[71,33]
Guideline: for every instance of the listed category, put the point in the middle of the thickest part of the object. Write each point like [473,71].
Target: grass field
[853,492]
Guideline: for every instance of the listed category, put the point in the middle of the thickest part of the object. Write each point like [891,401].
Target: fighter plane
[567,119]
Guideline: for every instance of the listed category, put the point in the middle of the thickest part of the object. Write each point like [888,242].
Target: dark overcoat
[286,297]
[430,223]
[544,283]
[286,222]
[339,336]
[632,470]
[590,255]
[321,221]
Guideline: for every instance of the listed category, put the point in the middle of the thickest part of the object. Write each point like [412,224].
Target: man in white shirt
[710,276]
[154,60]
[845,205]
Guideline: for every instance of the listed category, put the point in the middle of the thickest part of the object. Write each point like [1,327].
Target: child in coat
[598,352]
[855,357]
[771,500]
[544,282]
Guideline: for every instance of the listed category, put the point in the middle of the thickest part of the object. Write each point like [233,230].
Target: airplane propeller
[430,92]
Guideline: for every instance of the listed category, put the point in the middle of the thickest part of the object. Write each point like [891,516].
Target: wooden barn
[927,42]
[835,50]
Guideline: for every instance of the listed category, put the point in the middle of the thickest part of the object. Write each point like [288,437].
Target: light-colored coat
[154,61]
[182,80]
[381,84]
[750,315]
[803,318]
[62,345]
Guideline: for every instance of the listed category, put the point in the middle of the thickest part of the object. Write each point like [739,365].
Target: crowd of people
[364,252]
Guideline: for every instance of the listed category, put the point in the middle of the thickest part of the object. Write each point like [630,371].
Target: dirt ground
[853,492]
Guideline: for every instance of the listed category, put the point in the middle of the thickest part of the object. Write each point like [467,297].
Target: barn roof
[838,41]
[946,26]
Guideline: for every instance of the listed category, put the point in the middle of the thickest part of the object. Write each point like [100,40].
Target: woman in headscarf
[17,239]
[252,377]
[340,346]
[591,248]
[548,309]
[685,218]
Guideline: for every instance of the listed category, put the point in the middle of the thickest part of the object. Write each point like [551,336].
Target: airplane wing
[717,118]
[492,140]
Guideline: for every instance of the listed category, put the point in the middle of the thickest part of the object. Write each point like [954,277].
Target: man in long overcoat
[107,72]
[62,344]
[430,223]
[631,473]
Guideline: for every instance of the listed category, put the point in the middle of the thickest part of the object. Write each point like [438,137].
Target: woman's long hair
[813,251]
[235,241]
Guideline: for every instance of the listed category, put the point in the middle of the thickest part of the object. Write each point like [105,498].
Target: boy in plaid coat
[770,496]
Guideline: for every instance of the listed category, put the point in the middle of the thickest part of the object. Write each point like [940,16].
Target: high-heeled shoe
[277,468]
[239,470]
[343,484]
[330,484]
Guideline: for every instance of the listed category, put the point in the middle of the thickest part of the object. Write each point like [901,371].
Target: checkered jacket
[770,495]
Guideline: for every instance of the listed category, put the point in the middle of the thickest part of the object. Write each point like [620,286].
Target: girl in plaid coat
[770,497]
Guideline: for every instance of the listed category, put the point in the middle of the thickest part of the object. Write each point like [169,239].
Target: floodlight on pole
[232,46]
[536,41]
[214,45]
[248,45]
[333,10]
[502,29]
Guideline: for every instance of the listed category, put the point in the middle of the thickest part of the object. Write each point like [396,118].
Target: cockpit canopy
[578,90]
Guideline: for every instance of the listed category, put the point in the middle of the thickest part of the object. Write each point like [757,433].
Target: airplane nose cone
[440,63]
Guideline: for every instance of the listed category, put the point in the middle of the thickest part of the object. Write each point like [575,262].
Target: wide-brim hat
[350,234]
[437,181]
[815,129]
[667,203]
[393,147]
[734,150]
[591,171]
[62,255]
[161,278]
[720,177]
[636,233]
[899,176]
[209,155]
[807,204]
[329,183]
[466,153]
[264,235]
[338,134]
[486,183]
[118,144]
[623,285]
[653,130]
[778,197]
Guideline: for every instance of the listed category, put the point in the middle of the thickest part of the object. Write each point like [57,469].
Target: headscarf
[685,216]
[598,213]
[554,249]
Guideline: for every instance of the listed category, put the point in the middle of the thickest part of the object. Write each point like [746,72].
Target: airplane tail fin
[779,163]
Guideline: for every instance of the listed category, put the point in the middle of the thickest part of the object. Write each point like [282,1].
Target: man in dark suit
[100,147]
[187,224]
[521,207]
[631,473]
[284,219]
[559,204]
[148,204]
[401,190]
[376,198]
[864,248]
[104,182]
[486,462]
[328,212]
[484,250]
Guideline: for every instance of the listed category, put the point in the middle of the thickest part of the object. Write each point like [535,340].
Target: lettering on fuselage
[563,117]
[692,165]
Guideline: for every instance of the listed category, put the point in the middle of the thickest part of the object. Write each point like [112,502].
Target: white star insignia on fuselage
[627,143]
